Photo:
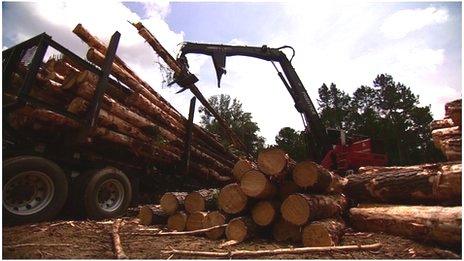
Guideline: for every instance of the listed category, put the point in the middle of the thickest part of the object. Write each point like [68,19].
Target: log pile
[421,202]
[142,124]
[447,132]
[295,202]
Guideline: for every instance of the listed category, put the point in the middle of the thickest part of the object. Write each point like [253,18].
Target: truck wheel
[34,189]
[107,193]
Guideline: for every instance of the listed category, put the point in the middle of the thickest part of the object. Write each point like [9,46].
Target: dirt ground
[92,239]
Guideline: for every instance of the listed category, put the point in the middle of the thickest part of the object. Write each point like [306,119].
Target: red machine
[329,147]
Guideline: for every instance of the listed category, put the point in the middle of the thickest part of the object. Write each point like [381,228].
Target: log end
[253,183]
[169,203]
[177,221]
[236,230]
[231,199]
[194,202]
[317,235]
[263,213]
[305,174]
[286,231]
[212,219]
[272,161]
[295,209]
[145,216]
[241,167]
[195,220]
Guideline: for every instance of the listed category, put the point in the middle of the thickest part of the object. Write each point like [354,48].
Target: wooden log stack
[268,199]
[143,123]
[447,132]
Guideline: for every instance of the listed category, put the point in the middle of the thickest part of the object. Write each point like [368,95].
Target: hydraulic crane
[329,147]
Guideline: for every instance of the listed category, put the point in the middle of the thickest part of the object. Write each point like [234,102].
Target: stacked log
[265,199]
[447,132]
[143,123]
[421,202]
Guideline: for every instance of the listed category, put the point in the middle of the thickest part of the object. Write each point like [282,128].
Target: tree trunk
[327,232]
[152,215]
[212,219]
[424,223]
[195,220]
[299,209]
[231,199]
[310,175]
[241,167]
[177,221]
[256,185]
[424,184]
[240,229]
[172,201]
[201,200]
[275,162]
[265,212]
[283,230]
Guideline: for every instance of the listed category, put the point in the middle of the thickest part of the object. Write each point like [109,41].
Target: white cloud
[401,23]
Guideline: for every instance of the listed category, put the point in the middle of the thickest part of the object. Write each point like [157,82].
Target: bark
[275,162]
[177,221]
[310,175]
[240,229]
[327,232]
[299,209]
[195,220]
[286,188]
[118,251]
[213,219]
[171,202]
[283,230]
[424,223]
[152,215]
[231,199]
[439,135]
[272,252]
[424,184]
[201,200]
[241,167]
[256,185]
[452,148]
[440,124]
[265,212]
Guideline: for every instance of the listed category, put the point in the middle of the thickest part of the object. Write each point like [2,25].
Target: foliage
[292,142]
[239,121]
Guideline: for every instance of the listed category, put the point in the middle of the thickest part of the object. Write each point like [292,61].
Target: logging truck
[90,147]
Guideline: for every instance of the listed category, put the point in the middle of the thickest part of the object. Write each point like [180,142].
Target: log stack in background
[447,132]
[141,123]
[274,197]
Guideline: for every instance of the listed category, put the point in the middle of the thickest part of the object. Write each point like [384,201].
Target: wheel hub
[110,195]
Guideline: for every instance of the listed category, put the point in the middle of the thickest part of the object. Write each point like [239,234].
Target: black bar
[102,85]
[34,67]
[188,136]
[28,43]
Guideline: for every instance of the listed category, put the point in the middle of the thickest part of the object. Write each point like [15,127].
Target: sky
[347,43]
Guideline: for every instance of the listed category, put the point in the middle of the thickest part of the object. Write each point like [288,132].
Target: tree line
[387,111]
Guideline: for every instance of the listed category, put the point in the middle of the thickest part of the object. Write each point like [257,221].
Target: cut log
[201,200]
[256,185]
[424,184]
[452,148]
[265,212]
[439,135]
[240,229]
[177,221]
[424,223]
[327,232]
[283,230]
[231,199]
[308,174]
[172,201]
[287,188]
[275,162]
[195,220]
[152,215]
[440,124]
[299,209]
[213,219]
[241,167]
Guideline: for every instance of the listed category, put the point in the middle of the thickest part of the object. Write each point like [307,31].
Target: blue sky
[347,43]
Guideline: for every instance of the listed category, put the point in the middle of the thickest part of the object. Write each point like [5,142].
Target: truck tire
[107,193]
[34,189]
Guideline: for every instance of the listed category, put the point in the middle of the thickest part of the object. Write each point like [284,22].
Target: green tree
[239,121]
[334,104]
[293,142]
